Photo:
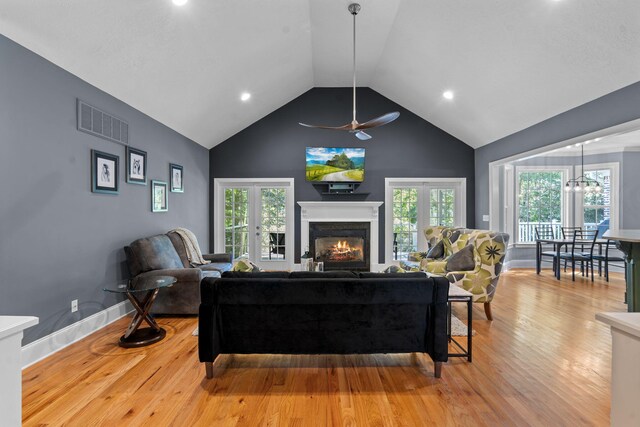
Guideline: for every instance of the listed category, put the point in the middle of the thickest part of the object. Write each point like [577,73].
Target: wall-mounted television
[335,164]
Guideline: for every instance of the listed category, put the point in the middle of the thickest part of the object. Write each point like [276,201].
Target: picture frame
[136,166]
[159,196]
[176,174]
[105,172]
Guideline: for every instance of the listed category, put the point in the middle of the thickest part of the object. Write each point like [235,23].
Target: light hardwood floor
[544,360]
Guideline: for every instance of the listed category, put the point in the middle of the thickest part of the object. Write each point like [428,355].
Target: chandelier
[583,183]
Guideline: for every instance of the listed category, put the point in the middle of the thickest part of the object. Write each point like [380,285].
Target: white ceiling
[511,64]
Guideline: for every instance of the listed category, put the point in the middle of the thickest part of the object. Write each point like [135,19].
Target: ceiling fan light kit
[358,129]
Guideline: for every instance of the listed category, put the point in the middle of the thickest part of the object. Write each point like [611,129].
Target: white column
[11,331]
[625,372]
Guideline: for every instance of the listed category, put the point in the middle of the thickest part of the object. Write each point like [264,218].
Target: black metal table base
[464,352]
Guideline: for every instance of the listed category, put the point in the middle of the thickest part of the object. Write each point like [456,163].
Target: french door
[254,219]
[413,204]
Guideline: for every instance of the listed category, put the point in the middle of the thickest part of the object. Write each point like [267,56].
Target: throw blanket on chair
[194,255]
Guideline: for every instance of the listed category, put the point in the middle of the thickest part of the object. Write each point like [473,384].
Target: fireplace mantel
[338,212]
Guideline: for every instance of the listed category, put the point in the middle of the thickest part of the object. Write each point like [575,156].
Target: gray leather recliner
[165,255]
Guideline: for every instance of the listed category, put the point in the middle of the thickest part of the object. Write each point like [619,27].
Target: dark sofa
[323,313]
[165,255]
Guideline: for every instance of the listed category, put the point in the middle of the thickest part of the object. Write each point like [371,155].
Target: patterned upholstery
[489,253]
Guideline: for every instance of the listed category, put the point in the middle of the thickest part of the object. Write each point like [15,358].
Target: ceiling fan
[355,127]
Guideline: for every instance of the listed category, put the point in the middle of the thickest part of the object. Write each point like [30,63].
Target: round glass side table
[142,295]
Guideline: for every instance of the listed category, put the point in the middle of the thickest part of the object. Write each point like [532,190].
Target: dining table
[558,244]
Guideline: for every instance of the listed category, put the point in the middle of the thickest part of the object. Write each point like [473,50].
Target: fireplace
[340,245]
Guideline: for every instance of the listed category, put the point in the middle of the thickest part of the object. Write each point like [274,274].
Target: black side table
[142,296]
[457,294]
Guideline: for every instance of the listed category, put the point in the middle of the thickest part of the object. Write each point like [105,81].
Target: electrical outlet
[74,305]
[485,218]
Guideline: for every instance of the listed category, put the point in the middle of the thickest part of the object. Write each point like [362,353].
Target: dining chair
[607,258]
[567,233]
[582,239]
[546,250]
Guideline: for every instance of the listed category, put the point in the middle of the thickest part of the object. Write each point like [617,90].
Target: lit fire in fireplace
[339,250]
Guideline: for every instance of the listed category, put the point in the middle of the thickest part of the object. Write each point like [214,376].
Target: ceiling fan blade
[379,121]
[344,127]
[362,136]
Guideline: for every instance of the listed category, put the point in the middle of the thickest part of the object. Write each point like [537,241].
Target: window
[273,206]
[236,222]
[415,204]
[540,201]
[596,208]
[442,207]
[253,218]
[405,221]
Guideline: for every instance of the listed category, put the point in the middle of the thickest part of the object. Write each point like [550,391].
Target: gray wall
[409,147]
[59,241]
[612,109]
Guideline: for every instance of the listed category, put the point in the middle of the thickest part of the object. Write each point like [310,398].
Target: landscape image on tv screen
[335,164]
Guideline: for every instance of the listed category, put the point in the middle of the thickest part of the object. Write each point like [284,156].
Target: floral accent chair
[489,251]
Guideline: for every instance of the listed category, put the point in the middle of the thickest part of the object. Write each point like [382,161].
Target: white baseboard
[52,343]
[522,263]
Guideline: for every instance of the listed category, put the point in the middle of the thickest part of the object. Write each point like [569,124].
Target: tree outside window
[405,220]
[540,196]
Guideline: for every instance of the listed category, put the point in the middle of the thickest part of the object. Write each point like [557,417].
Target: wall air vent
[96,122]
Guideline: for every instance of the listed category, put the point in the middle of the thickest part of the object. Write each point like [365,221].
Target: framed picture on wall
[177,179]
[136,166]
[159,196]
[104,172]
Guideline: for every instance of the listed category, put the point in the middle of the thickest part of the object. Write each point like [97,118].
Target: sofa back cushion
[152,253]
[397,275]
[337,274]
[257,275]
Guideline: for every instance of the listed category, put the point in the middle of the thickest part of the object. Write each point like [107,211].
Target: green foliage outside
[540,196]
[405,218]
[236,218]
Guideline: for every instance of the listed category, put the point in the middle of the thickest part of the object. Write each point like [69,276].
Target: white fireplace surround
[342,212]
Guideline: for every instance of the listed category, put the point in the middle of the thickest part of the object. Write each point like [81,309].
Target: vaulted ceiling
[510,64]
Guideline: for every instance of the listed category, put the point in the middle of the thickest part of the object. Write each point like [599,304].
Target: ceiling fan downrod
[354,127]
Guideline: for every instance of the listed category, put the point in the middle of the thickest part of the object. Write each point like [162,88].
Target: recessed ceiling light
[447,94]
[577,144]
[587,142]
[597,139]
[245,96]
[180,2]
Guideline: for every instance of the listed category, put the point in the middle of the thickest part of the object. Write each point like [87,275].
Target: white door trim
[218,202]
[390,183]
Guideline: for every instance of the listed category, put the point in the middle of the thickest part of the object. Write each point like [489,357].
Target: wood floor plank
[544,360]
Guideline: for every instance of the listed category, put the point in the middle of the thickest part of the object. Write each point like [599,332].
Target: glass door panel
[236,222]
[258,222]
[273,223]
[442,207]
